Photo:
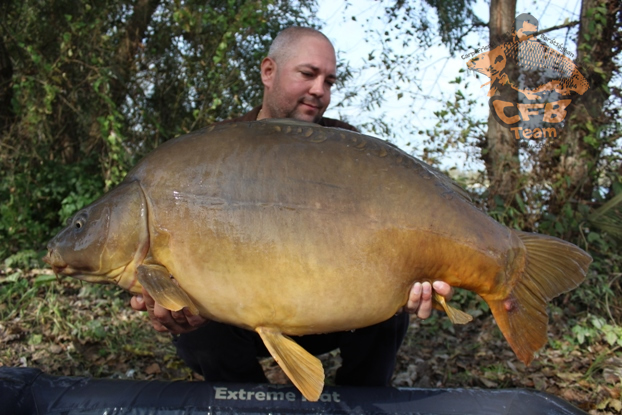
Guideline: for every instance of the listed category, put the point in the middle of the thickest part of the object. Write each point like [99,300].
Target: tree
[85,91]
[499,147]
[579,164]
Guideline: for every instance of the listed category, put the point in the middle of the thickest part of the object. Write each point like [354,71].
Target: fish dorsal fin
[158,283]
[304,369]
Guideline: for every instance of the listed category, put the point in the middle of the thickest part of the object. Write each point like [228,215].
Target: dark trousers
[223,353]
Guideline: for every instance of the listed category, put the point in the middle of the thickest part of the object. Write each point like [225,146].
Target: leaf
[616,405]
[569,376]
[488,383]
[611,338]
[35,339]
[13,277]
[153,369]
[608,217]
[44,279]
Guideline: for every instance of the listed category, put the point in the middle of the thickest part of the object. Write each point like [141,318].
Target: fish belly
[312,231]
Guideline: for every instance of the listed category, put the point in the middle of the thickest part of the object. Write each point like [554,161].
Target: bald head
[284,45]
[298,74]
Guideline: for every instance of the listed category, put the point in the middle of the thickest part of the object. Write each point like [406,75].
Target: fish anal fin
[552,267]
[304,369]
[157,281]
[456,316]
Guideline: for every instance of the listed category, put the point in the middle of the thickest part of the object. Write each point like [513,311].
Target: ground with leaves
[69,328]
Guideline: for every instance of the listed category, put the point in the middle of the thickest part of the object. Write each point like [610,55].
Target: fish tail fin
[553,266]
[304,369]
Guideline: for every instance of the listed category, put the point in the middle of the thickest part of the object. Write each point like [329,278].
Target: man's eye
[307,74]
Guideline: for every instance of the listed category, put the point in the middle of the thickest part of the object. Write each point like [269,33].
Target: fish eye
[78,221]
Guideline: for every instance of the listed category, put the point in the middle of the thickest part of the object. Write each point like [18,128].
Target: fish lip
[79,275]
[58,266]
[59,269]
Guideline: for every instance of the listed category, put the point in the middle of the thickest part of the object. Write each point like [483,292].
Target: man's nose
[317,88]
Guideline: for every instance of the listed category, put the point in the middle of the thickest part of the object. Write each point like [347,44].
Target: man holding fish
[297,75]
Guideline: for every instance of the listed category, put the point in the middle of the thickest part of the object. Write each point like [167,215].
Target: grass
[65,327]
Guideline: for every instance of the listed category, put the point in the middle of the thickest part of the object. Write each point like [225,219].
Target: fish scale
[316,230]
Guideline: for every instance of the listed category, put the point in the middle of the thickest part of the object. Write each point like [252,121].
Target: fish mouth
[60,267]
[54,260]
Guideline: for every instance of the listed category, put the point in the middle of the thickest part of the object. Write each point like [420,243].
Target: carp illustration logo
[531,85]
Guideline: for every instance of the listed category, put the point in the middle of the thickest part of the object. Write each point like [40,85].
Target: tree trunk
[597,46]
[500,148]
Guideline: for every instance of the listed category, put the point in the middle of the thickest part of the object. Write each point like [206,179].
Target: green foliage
[23,260]
[597,329]
[93,89]
[455,20]
[37,202]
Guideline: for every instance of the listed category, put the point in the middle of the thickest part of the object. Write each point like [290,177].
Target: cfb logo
[510,113]
[531,84]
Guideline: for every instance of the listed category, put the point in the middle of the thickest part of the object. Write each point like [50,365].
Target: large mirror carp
[289,228]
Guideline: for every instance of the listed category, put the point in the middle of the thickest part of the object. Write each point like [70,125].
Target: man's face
[299,86]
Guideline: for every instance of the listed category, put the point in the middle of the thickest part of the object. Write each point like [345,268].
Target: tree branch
[561,26]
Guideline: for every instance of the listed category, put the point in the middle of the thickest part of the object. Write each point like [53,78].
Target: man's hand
[163,320]
[420,298]
[178,322]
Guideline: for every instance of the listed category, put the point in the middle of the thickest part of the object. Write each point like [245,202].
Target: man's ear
[268,71]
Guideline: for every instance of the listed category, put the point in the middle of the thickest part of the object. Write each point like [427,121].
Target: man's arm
[178,322]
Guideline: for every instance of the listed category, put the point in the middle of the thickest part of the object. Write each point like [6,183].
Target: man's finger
[179,316]
[194,320]
[159,327]
[425,306]
[162,314]
[149,301]
[138,303]
[414,298]
[443,289]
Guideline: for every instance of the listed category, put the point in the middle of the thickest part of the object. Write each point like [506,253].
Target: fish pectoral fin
[158,282]
[456,316]
[304,369]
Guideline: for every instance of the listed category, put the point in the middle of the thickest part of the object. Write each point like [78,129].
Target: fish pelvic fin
[456,316]
[157,281]
[304,369]
[552,267]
